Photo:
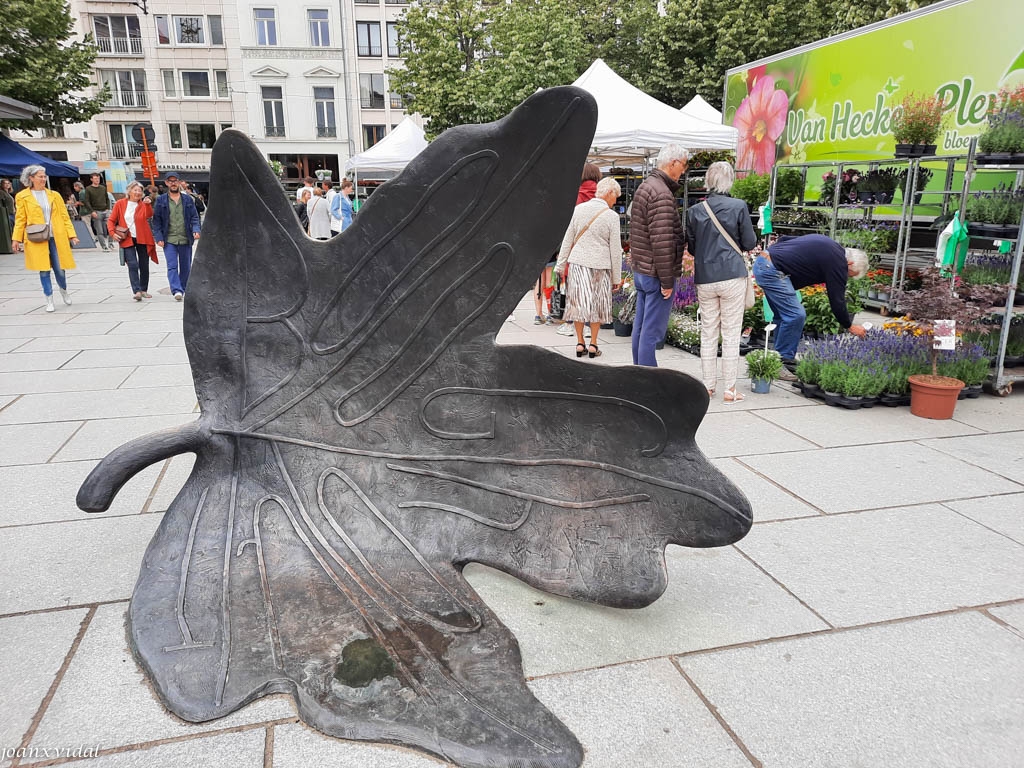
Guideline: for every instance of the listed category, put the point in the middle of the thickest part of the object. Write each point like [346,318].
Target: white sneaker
[49,303]
[64,295]
[566,329]
[179,296]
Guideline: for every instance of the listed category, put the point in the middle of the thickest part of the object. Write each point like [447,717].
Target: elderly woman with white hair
[719,231]
[591,253]
[129,226]
[44,229]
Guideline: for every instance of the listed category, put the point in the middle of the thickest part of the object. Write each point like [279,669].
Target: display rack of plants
[916,126]
[996,213]
[1002,142]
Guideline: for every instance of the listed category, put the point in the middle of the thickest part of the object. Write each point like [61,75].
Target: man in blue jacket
[175,228]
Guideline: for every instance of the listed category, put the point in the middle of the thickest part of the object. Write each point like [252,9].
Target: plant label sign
[945,334]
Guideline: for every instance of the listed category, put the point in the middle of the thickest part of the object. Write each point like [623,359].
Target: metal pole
[1004,334]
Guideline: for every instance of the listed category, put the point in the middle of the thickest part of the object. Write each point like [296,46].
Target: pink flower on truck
[760,120]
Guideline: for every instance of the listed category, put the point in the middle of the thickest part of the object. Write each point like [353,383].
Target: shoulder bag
[748,298]
[37,233]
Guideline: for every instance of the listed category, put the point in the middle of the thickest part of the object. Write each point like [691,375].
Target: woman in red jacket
[129,226]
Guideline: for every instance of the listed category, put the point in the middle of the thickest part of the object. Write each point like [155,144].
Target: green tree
[622,33]
[850,16]
[40,64]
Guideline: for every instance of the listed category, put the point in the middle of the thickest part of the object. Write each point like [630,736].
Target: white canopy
[697,107]
[393,152]
[630,123]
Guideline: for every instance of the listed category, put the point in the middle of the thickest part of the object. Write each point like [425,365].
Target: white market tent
[697,107]
[632,124]
[393,152]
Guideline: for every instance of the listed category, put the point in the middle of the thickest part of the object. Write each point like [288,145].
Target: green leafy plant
[764,364]
[1005,130]
[683,330]
[808,369]
[705,157]
[924,175]
[832,376]
[1001,206]
[799,221]
[753,188]
[918,119]
[820,319]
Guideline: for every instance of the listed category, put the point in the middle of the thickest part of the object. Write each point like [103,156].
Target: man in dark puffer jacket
[656,242]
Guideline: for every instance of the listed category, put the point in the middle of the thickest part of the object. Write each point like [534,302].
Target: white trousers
[721,313]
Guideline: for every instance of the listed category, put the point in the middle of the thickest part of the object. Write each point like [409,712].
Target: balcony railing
[368,50]
[396,2]
[273,131]
[128,100]
[120,46]
[326,131]
[122,151]
[396,101]
[371,102]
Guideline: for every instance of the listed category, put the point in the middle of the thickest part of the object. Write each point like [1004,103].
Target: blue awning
[14,158]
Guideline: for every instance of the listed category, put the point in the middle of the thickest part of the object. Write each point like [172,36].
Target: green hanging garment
[952,248]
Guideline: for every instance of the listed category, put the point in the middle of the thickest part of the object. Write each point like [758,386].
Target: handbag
[121,233]
[748,296]
[37,233]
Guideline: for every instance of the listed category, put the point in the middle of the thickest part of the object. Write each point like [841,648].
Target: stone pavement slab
[104,678]
[770,502]
[33,648]
[639,714]
[72,563]
[49,330]
[735,433]
[29,382]
[298,746]
[99,404]
[177,472]
[715,597]
[1001,453]
[243,749]
[875,476]
[108,341]
[99,437]
[6,345]
[1012,615]
[887,564]
[34,361]
[944,692]
[178,375]
[1004,514]
[992,414]
[31,444]
[102,358]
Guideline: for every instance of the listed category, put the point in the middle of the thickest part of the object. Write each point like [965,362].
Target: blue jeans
[651,320]
[44,277]
[136,259]
[179,264]
[783,299]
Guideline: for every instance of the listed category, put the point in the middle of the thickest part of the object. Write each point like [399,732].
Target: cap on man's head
[170,176]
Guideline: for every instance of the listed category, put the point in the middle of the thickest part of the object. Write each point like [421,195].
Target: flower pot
[883,197]
[994,158]
[760,386]
[872,294]
[607,326]
[622,329]
[883,296]
[905,150]
[933,397]
[928,150]
[866,197]
[863,293]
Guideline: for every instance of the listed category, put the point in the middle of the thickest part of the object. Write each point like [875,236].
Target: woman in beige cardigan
[38,205]
[591,253]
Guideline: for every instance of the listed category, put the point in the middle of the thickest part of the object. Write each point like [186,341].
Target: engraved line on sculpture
[332,521]
[580,463]
[512,526]
[540,394]
[427,654]
[225,650]
[438,350]
[248,406]
[357,268]
[565,503]
[268,605]
[186,635]
[335,579]
[506,190]
[556,127]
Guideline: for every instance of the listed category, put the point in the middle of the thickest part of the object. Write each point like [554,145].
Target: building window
[201,135]
[368,2]
[396,101]
[118,35]
[372,134]
[188,30]
[170,85]
[368,38]
[127,87]
[393,40]
[371,91]
[395,2]
[319,29]
[224,126]
[273,110]
[216,30]
[174,131]
[122,145]
[221,76]
[163,34]
[53,132]
[266,26]
[195,85]
[323,101]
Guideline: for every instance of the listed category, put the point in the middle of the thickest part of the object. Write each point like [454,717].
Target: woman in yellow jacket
[38,205]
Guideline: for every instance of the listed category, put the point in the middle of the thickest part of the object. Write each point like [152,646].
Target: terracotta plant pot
[933,397]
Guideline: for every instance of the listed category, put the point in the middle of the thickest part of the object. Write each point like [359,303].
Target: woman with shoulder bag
[44,229]
[719,232]
[128,224]
[6,215]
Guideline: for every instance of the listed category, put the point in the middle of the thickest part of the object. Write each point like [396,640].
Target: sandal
[595,351]
[711,392]
[581,350]
[732,396]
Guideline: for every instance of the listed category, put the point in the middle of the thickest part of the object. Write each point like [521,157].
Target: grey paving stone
[1012,615]
[780,396]
[736,433]
[887,564]
[832,427]
[173,340]
[72,563]
[6,345]
[179,375]
[1002,453]
[173,480]
[33,320]
[31,444]
[1000,513]
[109,341]
[26,382]
[34,361]
[639,714]
[85,311]
[243,749]
[104,678]
[99,437]
[46,492]
[715,597]
[6,400]
[102,358]
[770,502]
[992,414]
[48,330]
[32,649]
[142,324]
[296,746]
[944,692]
[874,476]
[100,404]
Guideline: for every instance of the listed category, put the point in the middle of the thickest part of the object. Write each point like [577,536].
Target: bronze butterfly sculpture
[362,439]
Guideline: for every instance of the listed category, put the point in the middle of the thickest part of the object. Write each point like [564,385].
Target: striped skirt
[588,295]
